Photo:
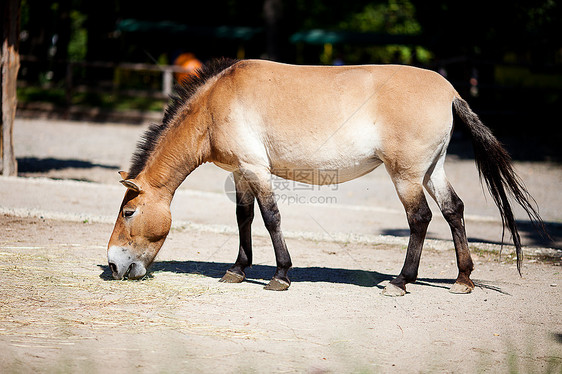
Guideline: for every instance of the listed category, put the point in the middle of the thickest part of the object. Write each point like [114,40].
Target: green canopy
[218,32]
[318,36]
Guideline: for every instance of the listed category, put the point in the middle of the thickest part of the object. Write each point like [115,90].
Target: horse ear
[123,174]
[131,185]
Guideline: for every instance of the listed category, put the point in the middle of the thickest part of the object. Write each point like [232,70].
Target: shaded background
[504,57]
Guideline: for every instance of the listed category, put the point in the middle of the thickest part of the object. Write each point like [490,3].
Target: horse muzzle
[123,264]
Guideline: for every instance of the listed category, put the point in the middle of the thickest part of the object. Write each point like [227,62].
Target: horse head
[141,227]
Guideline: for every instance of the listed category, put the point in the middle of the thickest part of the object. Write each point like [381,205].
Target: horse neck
[181,150]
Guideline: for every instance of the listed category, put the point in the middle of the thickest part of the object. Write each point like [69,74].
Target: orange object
[189,62]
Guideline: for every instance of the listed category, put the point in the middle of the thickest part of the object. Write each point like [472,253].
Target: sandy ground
[61,312]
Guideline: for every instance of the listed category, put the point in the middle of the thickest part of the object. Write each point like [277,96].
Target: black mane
[183,91]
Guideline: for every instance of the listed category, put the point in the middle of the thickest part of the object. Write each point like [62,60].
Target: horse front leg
[244,216]
[272,220]
[419,216]
[259,180]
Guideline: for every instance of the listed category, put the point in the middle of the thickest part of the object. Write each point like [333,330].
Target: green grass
[56,96]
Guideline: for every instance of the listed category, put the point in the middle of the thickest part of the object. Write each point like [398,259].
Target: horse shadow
[551,237]
[260,274]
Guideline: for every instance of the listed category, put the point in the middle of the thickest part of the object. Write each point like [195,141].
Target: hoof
[277,285]
[231,277]
[460,288]
[393,291]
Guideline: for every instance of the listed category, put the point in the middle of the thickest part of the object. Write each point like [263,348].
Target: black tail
[494,165]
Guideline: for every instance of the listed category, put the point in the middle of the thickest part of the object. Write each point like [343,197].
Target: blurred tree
[9,66]
[391,16]
[395,17]
[323,14]
[101,17]
[527,28]
[61,37]
[273,17]
[530,29]
[77,45]
[36,27]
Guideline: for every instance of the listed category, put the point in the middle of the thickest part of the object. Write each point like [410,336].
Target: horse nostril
[129,270]
[113,267]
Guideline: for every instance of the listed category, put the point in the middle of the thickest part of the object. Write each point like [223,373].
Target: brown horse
[258,118]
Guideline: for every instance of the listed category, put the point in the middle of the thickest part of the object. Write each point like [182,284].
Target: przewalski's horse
[258,118]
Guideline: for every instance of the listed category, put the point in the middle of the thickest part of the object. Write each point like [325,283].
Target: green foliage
[393,17]
[36,94]
[77,47]
[24,13]
[56,96]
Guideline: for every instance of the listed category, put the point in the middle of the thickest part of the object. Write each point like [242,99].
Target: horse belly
[342,157]
[325,174]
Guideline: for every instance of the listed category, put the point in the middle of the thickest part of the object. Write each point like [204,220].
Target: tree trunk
[10,63]
[273,15]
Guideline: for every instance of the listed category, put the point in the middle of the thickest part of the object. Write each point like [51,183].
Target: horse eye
[128,213]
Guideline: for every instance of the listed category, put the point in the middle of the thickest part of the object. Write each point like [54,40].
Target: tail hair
[495,167]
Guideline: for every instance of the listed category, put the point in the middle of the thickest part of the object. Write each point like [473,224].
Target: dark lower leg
[464,261]
[419,216]
[453,212]
[272,220]
[244,217]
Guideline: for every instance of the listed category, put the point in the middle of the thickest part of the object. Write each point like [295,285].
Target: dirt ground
[60,311]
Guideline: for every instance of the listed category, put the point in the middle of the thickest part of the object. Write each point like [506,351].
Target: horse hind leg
[452,208]
[244,216]
[419,215]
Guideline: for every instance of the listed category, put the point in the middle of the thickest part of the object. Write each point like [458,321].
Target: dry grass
[51,297]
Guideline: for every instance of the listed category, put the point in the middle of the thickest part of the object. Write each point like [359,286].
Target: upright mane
[183,91]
